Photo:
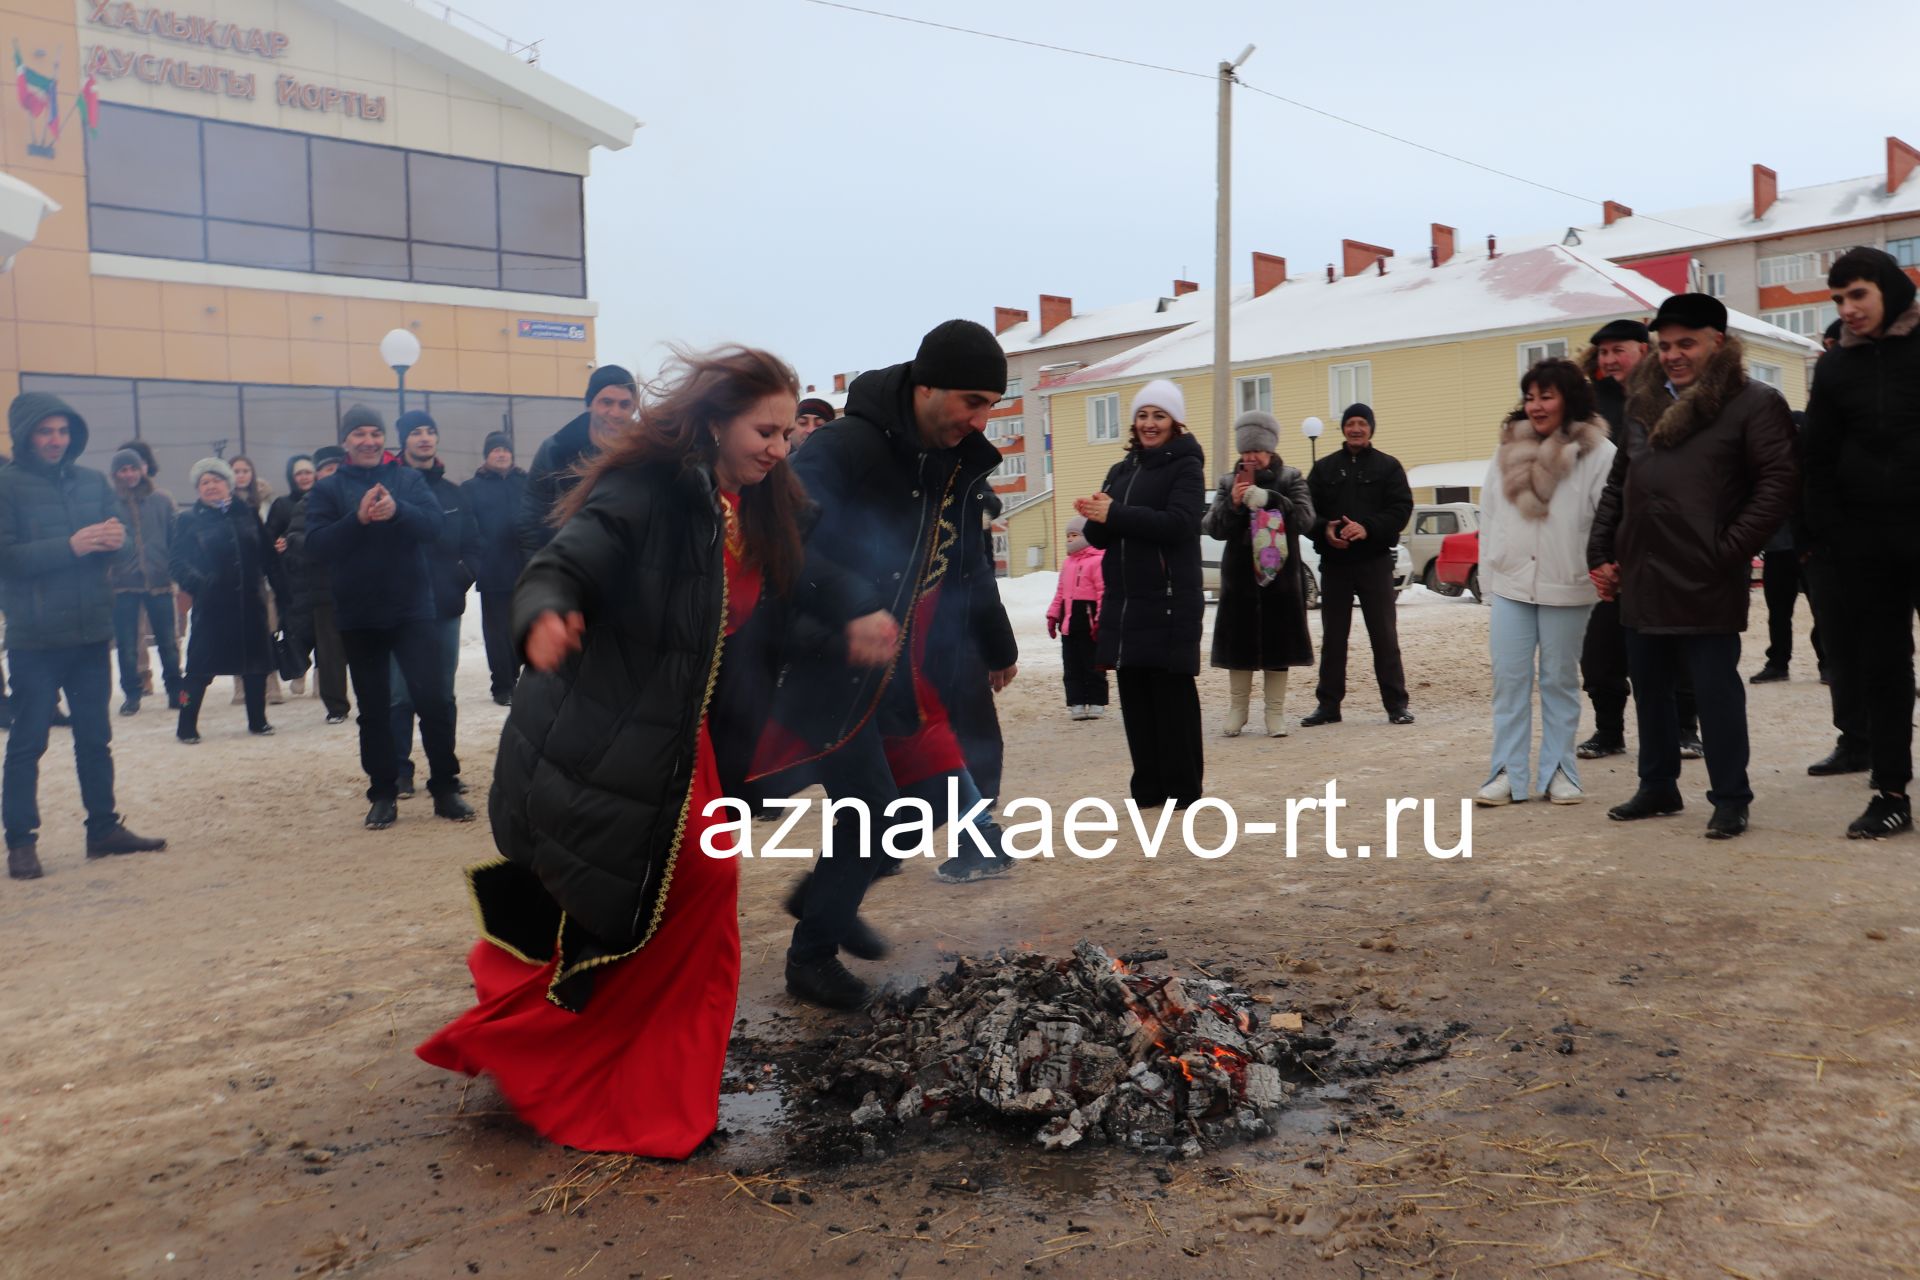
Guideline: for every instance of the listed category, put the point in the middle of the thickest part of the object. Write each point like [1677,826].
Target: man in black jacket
[59,533]
[493,498]
[369,524]
[612,399]
[899,483]
[1361,502]
[1863,471]
[449,560]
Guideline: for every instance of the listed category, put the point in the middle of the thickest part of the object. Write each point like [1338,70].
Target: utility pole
[1223,407]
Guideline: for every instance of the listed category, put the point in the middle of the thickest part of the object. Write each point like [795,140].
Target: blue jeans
[38,677]
[446,635]
[1518,634]
[158,606]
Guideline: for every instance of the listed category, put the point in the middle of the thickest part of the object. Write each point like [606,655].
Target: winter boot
[1239,692]
[1276,697]
[23,861]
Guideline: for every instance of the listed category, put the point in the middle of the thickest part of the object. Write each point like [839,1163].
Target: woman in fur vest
[1259,512]
[1536,510]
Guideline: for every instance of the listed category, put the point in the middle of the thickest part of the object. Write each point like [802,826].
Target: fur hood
[1905,323]
[1532,465]
[1670,422]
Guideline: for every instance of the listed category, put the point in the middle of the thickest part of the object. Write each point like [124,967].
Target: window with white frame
[1808,322]
[1001,430]
[1767,373]
[1714,283]
[1255,394]
[1905,252]
[1795,268]
[1349,384]
[1014,464]
[1103,418]
[1013,390]
[1532,353]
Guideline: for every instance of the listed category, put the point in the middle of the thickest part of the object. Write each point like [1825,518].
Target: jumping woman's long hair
[696,395]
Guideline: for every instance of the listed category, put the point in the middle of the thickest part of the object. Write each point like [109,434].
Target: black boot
[450,806]
[23,861]
[382,815]
[1601,745]
[1322,714]
[1837,761]
[131,707]
[827,983]
[863,941]
[1728,821]
[120,840]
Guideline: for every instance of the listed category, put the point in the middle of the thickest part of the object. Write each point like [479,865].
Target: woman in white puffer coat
[1536,509]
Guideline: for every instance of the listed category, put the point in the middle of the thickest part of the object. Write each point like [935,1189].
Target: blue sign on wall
[557,330]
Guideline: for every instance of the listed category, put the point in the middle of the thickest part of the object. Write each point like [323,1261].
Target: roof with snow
[1148,315]
[1796,210]
[1552,286]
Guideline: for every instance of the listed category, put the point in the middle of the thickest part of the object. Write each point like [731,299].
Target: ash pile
[1082,1047]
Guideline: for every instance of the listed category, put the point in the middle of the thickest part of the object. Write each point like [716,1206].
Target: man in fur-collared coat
[1706,473]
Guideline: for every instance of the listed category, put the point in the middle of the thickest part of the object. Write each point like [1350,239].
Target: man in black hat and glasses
[1706,474]
[1863,475]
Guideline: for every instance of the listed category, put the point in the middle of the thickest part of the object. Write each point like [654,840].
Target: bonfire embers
[1084,1046]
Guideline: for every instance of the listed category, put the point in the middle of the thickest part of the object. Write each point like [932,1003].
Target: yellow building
[1436,350]
[252,193]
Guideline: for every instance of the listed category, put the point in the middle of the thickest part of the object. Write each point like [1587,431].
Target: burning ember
[1082,1046]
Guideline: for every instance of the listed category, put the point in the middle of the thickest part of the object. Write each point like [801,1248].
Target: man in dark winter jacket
[899,481]
[59,533]
[1707,473]
[370,523]
[1361,502]
[316,590]
[1863,472]
[494,497]
[612,399]
[142,587]
[449,565]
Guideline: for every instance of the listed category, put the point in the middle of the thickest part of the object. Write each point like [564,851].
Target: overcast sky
[830,185]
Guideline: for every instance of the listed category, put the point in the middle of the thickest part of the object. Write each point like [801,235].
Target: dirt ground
[1685,1058]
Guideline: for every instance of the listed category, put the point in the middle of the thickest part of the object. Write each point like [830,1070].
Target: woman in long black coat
[1146,517]
[1261,623]
[220,556]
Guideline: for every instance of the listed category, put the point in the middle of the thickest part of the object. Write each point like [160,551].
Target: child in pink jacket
[1074,616]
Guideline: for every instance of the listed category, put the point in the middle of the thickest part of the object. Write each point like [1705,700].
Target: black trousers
[195,684]
[496,628]
[1782,582]
[1370,581]
[832,893]
[1161,713]
[1713,662]
[371,653]
[1879,598]
[1846,677]
[329,659]
[1086,683]
[1607,679]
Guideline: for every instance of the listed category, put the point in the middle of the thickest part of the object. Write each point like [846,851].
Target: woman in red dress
[609,961]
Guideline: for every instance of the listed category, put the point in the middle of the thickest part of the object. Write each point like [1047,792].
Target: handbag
[287,660]
[1269,536]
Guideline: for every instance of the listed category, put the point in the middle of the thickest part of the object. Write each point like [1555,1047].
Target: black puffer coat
[221,559]
[1863,444]
[1700,485]
[1369,488]
[551,479]
[51,597]
[1154,602]
[287,518]
[495,501]
[1261,628]
[596,760]
[449,557]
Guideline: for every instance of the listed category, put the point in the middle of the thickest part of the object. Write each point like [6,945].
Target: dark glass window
[256,175]
[145,160]
[246,244]
[537,417]
[540,212]
[438,264]
[465,421]
[105,403]
[564,276]
[282,421]
[186,421]
[151,235]
[452,201]
[359,188]
[359,256]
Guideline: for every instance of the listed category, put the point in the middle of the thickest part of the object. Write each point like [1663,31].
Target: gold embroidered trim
[472,874]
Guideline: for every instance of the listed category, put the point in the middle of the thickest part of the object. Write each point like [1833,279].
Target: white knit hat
[1161,394]
[209,466]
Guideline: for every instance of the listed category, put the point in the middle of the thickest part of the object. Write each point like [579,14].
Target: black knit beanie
[1359,411]
[496,440]
[609,375]
[328,453]
[1878,266]
[961,355]
[360,416]
[407,423]
[816,407]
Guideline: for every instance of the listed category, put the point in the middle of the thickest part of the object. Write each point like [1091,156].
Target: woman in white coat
[1536,509]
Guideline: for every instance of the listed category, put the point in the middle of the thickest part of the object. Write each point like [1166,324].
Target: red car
[1459,564]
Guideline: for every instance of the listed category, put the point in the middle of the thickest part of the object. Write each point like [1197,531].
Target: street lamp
[401,350]
[1311,429]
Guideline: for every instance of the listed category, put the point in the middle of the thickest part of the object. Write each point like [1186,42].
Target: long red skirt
[638,1070]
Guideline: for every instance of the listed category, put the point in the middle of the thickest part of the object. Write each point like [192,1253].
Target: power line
[1268,93]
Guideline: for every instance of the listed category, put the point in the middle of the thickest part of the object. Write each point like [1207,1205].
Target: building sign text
[210,33]
[557,330]
[111,64]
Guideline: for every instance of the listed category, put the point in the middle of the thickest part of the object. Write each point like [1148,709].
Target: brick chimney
[1901,161]
[1766,189]
[1442,244]
[1181,288]
[839,383]
[1004,318]
[1269,273]
[1493,248]
[1054,312]
[1613,211]
[1357,256]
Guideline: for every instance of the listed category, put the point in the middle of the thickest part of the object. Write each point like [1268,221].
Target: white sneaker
[1079,712]
[1495,793]
[1563,790]
[1094,712]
